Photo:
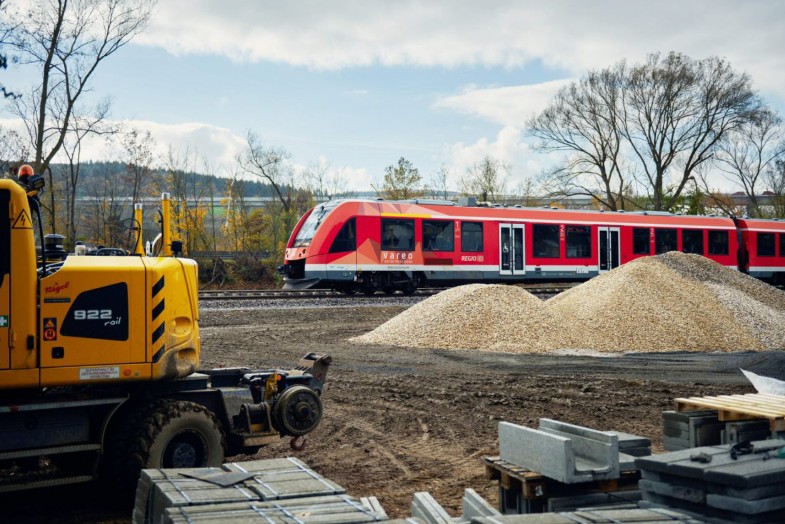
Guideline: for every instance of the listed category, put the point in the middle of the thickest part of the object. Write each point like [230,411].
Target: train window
[397,234]
[766,244]
[692,241]
[782,244]
[545,240]
[718,243]
[578,241]
[471,236]
[346,240]
[665,240]
[308,229]
[640,241]
[437,235]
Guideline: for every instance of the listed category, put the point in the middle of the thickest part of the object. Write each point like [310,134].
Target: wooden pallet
[741,407]
[525,491]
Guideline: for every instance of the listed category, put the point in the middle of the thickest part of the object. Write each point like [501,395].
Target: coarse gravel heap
[670,302]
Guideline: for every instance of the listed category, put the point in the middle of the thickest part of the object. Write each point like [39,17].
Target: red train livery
[371,245]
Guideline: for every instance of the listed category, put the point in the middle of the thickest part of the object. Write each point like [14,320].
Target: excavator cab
[85,319]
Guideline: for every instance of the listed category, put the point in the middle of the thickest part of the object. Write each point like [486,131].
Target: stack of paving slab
[275,490]
[477,511]
[709,484]
[596,516]
[568,453]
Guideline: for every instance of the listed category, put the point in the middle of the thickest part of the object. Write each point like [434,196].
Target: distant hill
[96,173]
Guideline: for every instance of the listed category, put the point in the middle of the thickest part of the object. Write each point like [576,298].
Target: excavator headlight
[35,182]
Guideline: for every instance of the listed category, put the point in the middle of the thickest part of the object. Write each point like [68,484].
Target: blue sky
[358,84]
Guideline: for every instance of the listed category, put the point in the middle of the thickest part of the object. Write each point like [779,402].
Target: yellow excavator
[99,364]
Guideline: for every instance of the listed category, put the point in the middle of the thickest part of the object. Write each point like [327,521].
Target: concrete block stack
[708,483]
[244,483]
[691,429]
[742,430]
[331,509]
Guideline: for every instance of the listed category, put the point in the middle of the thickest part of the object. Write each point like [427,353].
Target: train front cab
[762,250]
[322,250]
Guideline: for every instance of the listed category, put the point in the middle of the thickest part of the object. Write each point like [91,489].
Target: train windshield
[305,235]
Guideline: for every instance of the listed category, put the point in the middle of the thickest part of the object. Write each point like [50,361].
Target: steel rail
[285,294]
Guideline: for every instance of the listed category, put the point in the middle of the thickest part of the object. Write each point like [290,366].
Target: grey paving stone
[710,514]
[688,493]
[748,507]
[330,509]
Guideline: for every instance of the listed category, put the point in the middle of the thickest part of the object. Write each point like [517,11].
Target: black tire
[409,289]
[368,291]
[119,473]
[179,434]
[388,290]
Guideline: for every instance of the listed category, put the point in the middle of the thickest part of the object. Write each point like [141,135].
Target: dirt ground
[402,420]
[399,420]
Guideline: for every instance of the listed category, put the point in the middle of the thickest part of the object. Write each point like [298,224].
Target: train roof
[426,208]
[761,224]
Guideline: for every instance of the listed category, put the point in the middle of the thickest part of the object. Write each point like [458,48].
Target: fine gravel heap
[671,302]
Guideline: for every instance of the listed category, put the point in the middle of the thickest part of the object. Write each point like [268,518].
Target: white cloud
[509,106]
[507,147]
[216,145]
[570,35]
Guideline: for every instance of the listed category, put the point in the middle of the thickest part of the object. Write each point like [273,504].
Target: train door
[511,261]
[609,248]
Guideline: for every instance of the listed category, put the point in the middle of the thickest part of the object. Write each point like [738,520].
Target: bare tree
[80,127]
[584,120]
[527,193]
[267,163]
[67,40]
[775,180]
[13,149]
[139,148]
[7,27]
[236,224]
[676,112]
[485,180]
[104,217]
[325,183]
[401,181]
[749,152]
[439,183]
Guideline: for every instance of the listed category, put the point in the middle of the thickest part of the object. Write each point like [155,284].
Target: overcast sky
[361,83]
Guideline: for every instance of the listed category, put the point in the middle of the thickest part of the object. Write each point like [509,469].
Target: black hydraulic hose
[36,205]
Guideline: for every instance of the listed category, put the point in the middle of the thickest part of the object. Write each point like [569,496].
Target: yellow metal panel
[18,378]
[173,332]
[68,376]
[63,301]
[22,309]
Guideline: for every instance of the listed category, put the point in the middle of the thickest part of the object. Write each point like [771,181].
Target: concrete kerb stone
[564,452]
[425,508]
[474,506]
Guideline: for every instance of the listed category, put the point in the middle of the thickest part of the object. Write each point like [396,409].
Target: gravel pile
[475,316]
[671,302]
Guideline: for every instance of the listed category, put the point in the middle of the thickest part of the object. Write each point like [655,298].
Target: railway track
[277,294]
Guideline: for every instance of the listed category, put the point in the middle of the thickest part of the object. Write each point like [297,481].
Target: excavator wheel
[297,411]
[179,434]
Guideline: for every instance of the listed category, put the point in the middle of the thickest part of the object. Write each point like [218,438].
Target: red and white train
[370,245]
